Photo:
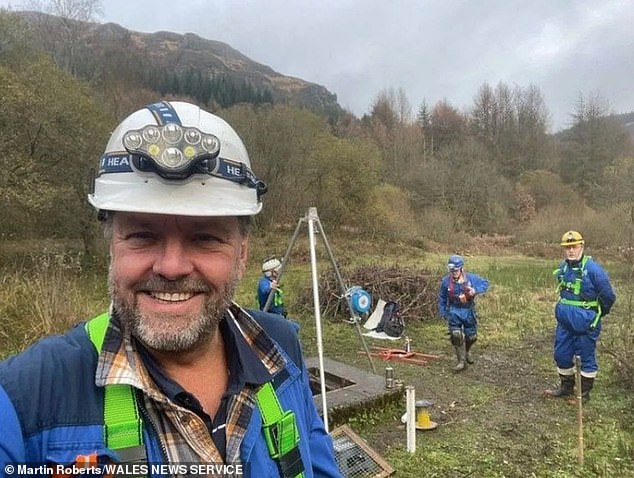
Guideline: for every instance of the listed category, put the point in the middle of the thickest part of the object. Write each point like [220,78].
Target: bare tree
[65,23]
[511,124]
[403,106]
[384,110]
[447,125]
[78,10]
[395,133]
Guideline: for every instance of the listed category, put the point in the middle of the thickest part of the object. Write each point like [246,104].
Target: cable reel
[360,300]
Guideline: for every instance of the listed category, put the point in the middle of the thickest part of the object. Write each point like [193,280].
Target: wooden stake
[579,409]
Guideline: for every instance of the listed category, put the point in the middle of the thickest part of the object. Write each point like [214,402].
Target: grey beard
[169,338]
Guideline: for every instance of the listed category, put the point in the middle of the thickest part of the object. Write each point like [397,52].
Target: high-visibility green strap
[96,329]
[597,317]
[280,432]
[269,405]
[586,304]
[574,287]
[278,301]
[123,426]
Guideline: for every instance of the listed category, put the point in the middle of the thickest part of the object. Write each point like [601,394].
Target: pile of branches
[416,291]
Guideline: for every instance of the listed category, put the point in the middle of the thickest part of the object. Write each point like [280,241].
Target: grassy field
[493,419]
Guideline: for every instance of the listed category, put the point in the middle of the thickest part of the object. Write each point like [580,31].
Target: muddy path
[495,407]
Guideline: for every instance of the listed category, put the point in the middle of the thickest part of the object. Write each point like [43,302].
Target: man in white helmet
[268,284]
[175,372]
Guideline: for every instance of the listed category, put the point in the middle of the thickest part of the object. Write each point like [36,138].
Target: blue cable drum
[360,300]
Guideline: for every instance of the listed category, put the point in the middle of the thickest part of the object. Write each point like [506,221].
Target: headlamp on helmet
[172,151]
[571,238]
[176,152]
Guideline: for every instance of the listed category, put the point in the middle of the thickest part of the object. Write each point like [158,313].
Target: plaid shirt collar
[120,363]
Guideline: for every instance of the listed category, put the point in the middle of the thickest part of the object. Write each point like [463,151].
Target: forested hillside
[408,173]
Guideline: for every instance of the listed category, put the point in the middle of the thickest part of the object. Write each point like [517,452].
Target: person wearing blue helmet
[456,304]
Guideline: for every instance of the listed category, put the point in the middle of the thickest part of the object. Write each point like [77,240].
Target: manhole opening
[333,382]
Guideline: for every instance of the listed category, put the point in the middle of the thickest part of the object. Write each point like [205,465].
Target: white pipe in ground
[410,421]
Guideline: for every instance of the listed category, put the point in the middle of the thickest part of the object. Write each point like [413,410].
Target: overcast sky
[432,49]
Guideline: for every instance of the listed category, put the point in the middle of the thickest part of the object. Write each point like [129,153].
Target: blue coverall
[585,296]
[277,303]
[460,316]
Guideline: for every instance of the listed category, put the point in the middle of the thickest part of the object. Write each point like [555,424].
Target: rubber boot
[566,388]
[468,343]
[461,356]
[586,385]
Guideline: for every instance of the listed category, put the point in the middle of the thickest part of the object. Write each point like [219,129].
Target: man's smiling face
[172,277]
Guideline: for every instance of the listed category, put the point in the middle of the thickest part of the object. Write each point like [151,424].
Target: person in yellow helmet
[585,297]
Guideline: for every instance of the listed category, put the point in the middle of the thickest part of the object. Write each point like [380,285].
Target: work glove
[463,298]
[469,293]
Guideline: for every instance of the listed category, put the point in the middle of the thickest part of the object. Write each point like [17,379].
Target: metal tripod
[314,226]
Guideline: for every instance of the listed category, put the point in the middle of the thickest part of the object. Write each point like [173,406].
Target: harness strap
[277,298]
[123,426]
[280,432]
[453,298]
[586,304]
[574,287]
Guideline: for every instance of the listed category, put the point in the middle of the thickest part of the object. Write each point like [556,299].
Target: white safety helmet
[175,158]
[270,265]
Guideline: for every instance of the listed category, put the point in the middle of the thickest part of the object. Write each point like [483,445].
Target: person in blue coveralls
[585,298]
[269,281]
[175,372]
[456,304]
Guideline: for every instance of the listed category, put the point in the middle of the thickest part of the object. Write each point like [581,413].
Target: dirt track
[496,404]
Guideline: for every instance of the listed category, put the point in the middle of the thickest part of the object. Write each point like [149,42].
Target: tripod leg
[320,348]
[313,216]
